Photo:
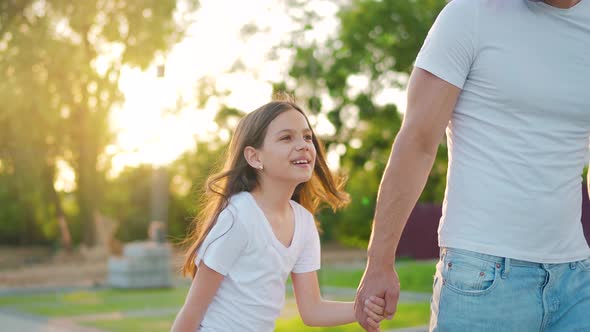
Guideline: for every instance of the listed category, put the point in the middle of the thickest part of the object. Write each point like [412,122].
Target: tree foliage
[60,62]
[372,52]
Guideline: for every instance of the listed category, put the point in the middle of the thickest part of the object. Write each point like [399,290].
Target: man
[510,82]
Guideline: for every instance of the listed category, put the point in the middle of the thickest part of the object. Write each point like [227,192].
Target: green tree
[61,61]
[372,52]
[187,186]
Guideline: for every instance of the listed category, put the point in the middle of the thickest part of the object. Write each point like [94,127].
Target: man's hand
[381,282]
[375,308]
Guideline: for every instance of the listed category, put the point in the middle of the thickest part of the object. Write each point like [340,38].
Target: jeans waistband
[490,258]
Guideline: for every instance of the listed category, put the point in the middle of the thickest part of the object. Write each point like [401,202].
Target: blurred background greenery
[61,158]
[114,112]
[155,309]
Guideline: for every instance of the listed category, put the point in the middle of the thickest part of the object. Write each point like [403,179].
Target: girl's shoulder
[234,215]
[241,206]
[239,200]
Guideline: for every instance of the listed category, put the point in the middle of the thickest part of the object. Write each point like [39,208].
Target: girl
[258,227]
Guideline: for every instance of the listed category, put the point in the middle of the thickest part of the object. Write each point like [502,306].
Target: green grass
[94,302]
[144,324]
[408,315]
[413,276]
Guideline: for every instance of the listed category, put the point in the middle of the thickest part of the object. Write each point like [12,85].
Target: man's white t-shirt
[242,247]
[518,137]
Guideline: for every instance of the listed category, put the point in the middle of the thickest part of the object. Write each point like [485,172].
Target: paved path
[16,321]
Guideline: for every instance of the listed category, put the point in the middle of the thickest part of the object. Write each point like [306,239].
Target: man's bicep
[431,101]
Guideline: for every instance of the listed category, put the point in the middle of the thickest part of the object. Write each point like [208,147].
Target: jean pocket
[584,265]
[468,275]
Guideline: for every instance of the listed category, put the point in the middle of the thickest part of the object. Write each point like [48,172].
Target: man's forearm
[404,179]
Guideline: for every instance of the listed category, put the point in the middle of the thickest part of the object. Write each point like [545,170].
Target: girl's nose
[303,146]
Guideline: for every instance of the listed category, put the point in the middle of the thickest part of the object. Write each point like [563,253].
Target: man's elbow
[412,139]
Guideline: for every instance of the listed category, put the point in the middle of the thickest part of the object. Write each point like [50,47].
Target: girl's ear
[253,157]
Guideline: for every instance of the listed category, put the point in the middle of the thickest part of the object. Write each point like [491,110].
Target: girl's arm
[316,311]
[202,290]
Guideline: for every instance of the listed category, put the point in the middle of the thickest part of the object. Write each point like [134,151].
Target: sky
[212,45]
[147,134]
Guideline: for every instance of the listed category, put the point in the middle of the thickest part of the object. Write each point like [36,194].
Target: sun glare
[148,134]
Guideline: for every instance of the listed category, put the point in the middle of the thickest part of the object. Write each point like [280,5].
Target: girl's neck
[273,199]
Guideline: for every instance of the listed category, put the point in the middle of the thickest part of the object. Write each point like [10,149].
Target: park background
[114,112]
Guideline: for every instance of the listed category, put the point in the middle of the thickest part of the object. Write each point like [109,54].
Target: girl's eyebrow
[305,130]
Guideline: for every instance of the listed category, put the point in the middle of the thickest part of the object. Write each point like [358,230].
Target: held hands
[374,308]
[381,282]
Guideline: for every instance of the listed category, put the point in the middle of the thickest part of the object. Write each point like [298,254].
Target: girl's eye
[285,138]
[308,137]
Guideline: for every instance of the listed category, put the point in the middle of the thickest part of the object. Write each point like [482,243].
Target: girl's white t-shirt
[242,247]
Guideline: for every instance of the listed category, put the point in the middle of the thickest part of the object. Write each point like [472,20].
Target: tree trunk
[87,191]
[85,195]
[65,235]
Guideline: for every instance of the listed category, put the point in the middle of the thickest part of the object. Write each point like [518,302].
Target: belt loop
[506,269]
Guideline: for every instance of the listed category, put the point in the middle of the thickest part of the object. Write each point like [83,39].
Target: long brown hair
[237,176]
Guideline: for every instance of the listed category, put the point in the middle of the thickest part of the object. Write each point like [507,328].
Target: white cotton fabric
[256,265]
[518,137]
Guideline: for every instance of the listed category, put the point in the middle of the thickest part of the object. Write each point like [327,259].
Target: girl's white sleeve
[309,258]
[224,244]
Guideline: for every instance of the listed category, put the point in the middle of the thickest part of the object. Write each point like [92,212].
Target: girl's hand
[374,308]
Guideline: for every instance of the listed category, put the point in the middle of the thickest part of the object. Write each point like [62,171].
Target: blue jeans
[478,292]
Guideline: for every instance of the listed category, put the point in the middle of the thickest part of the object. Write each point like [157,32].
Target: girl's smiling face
[288,153]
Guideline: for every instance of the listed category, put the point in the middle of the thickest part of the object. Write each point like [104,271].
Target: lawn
[408,315]
[161,304]
[95,302]
[144,324]
[413,276]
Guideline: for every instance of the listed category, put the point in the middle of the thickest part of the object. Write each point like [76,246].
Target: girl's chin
[295,179]
[302,179]
[299,180]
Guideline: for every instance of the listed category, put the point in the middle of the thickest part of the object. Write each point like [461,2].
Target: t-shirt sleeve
[224,244]
[309,258]
[451,45]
